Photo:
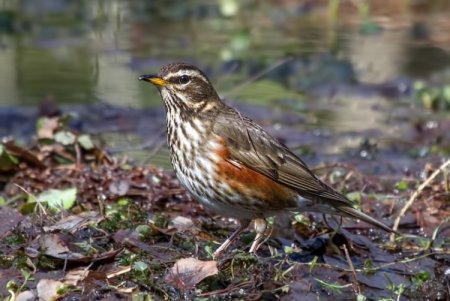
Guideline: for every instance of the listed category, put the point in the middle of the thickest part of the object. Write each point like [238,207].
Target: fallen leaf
[140,266]
[119,188]
[382,279]
[23,154]
[57,199]
[76,276]
[187,272]
[73,223]
[6,275]
[65,137]
[26,296]
[53,245]
[7,160]
[182,223]
[86,142]
[47,289]
[9,218]
[46,127]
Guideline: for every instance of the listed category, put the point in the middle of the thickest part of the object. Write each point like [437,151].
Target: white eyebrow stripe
[188,73]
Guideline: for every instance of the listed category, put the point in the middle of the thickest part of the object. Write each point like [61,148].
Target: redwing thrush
[232,165]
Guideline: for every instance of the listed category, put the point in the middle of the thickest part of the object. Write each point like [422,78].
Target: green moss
[6,261]
[160,220]
[45,263]
[15,239]
[123,216]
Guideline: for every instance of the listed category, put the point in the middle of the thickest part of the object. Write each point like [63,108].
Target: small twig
[153,152]
[39,205]
[78,156]
[228,289]
[352,267]
[257,76]
[446,182]
[415,195]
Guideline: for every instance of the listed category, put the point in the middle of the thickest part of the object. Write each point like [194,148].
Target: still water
[343,65]
[86,51]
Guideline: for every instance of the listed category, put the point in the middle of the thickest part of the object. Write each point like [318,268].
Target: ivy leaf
[57,199]
[86,142]
[7,161]
[401,186]
[65,137]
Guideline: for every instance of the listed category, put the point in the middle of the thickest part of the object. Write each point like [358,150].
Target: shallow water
[345,70]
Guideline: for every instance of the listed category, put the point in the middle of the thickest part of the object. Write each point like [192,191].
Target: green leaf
[420,278]
[419,85]
[86,142]
[140,266]
[401,185]
[446,93]
[57,199]
[65,137]
[355,197]
[7,161]
[2,201]
[361,298]
[240,41]
[123,201]
[143,230]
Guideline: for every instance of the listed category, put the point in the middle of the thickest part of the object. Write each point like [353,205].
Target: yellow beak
[154,79]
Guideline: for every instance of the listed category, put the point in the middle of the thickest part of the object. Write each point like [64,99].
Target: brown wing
[252,146]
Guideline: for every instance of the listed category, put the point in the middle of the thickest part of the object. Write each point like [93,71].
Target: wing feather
[253,147]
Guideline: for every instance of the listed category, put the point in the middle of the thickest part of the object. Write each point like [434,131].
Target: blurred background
[326,77]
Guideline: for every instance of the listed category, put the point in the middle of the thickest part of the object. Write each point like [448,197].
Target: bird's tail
[355,213]
[338,206]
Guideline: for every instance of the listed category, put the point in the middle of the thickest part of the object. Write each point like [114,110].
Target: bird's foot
[260,229]
[243,224]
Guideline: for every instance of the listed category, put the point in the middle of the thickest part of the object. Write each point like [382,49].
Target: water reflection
[85,51]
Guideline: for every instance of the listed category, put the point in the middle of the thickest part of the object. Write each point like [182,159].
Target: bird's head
[184,88]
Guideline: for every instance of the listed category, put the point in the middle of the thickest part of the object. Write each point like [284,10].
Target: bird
[231,165]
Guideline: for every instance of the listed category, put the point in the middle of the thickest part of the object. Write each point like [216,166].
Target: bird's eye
[184,79]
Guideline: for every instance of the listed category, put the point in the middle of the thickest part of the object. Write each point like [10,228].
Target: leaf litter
[102,227]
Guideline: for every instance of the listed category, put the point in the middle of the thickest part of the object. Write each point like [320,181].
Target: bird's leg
[339,224]
[260,229]
[242,225]
[333,246]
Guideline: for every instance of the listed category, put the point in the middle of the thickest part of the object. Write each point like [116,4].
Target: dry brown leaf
[48,127]
[53,245]
[9,218]
[182,224]
[47,289]
[119,187]
[187,272]
[24,154]
[73,223]
[26,296]
[76,276]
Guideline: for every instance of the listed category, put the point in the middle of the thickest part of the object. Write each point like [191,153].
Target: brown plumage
[232,165]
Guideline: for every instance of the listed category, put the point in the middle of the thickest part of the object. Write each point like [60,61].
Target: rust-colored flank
[252,183]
